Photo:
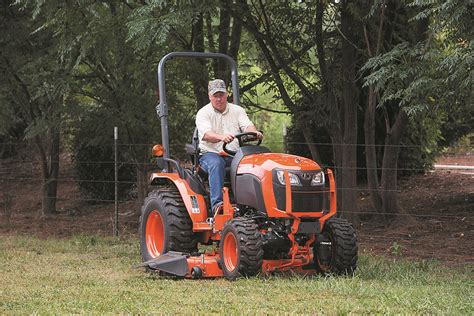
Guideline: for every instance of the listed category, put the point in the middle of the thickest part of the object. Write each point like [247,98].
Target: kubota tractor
[278,212]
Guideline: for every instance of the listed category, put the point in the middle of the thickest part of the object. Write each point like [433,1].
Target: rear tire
[336,248]
[240,249]
[165,225]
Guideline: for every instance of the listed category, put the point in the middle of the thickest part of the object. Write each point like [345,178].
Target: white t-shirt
[233,120]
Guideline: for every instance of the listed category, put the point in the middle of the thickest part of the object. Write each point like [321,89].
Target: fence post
[116,182]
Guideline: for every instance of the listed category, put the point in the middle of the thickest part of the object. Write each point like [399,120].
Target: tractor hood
[258,182]
[259,164]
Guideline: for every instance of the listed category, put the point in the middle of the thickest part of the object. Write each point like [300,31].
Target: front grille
[307,201]
[305,198]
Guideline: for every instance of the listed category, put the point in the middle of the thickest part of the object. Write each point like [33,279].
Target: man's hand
[259,134]
[227,138]
[253,129]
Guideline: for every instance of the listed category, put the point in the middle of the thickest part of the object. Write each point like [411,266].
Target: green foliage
[396,76]
[271,123]
[434,73]
[165,23]
[93,156]
[34,87]
[85,241]
[420,143]
[113,85]
[464,146]
[94,165]
[88,66]
[458,120]
[396,249]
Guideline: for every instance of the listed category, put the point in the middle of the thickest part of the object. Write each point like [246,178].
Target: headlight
[318,178]
[293,178]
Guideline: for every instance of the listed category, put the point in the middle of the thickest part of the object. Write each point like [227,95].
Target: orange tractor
[278,212]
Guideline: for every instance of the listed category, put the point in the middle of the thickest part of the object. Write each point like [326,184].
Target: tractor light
[318,179]
[158,150]
[294,180]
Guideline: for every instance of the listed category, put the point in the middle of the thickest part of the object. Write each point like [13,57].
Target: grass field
[90,274]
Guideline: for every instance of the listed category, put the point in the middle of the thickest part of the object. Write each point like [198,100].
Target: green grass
[90,274]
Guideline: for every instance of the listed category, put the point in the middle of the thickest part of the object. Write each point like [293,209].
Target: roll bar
[162,107]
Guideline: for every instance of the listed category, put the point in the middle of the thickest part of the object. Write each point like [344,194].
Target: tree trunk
[235,39]
[221,71]
[350,105]
[392,144]
[389,166]
[370,152]
[308,137]
[50,172]
[369,120]
[199,77]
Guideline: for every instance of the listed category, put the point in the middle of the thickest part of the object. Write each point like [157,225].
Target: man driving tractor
[278,211]
[217,123]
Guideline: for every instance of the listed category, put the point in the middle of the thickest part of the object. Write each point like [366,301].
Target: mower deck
[206,265]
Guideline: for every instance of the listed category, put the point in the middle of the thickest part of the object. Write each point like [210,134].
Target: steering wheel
[243,138]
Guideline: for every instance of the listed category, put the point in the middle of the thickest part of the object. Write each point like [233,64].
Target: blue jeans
[214,165]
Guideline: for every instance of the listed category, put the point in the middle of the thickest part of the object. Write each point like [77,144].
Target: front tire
[165,225]
[240,249]
[336,248]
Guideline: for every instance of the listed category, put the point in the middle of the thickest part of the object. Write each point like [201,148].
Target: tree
[201,26]
[35,85]
[408,72]
[312,92]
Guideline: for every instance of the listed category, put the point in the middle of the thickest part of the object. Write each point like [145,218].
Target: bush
[94,166]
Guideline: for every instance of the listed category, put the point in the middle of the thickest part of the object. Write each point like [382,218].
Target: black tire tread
[250,246]
[345,256]
[179,223]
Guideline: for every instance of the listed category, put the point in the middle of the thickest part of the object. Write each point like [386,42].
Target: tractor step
[201,226]
[172,262]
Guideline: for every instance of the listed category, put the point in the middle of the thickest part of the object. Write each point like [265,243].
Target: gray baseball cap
[216,85]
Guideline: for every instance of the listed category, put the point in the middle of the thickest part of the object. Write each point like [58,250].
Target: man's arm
[212,137]
[244,121]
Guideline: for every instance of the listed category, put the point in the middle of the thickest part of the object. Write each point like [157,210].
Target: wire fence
[265,142]
[14,171]
[148,165]
[65,180]
[443,215]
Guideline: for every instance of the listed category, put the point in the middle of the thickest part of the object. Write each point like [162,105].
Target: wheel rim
[155,234]
[230,252]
